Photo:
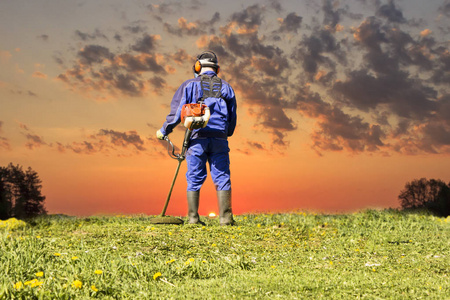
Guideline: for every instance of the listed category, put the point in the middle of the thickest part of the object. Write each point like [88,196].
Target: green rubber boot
[225,212]
[193,200]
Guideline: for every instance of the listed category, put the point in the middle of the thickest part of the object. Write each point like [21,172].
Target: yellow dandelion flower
[39,274]
[258,225]
[57,254]
[98,272]
[157,275]
[33,283]
[213,245]
[170,261]
[94,288]
[74,257]
[38,237]
[273,267]
[170,233]
[18,285]
[77,284]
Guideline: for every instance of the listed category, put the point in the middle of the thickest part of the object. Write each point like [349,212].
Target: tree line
[421,194]
[20,193]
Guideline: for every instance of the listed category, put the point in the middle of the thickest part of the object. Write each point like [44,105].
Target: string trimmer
[193,116]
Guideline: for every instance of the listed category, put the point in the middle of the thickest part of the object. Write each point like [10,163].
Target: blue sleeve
[174,117]
[232,107]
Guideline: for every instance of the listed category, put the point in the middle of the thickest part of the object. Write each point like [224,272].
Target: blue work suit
[207,144]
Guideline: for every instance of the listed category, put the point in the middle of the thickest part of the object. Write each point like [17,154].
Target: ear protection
[197,67]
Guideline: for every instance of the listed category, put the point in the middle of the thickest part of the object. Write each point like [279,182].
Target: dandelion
[259,225]
[213,245]
[157,275]
[57,254]
[74,257]
[170,261]
[170,233]
[98,272]
[18,285]
[273,267]
[77,284]
[33,283]
[94,288]
[39,274]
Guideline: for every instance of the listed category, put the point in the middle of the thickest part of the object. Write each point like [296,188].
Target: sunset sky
[340,103]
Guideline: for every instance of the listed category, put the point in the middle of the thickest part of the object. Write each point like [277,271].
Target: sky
[340,103]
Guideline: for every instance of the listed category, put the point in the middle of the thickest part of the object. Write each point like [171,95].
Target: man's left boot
[193,200]
[225,213]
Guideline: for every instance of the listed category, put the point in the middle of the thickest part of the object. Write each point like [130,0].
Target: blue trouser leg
[219,162]
[196,158]
[216,152]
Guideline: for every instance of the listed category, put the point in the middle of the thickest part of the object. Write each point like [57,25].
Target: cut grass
[369,255]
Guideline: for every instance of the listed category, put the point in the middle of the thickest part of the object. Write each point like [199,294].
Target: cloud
[445,8]
[370,79]
[43,37]
[92,54]
[90,36]
[39,74]
[4,142]
[108,142]
[33,140]
[291,23]
[98,69]
[146,44]
[390,12]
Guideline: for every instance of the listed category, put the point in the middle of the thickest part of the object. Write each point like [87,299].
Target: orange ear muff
[197,67]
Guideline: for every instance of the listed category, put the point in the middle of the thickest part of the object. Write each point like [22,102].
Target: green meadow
[366,255]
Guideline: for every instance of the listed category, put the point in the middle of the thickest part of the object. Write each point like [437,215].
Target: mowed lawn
[366,255]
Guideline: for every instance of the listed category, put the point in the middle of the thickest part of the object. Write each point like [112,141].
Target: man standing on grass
[208,144]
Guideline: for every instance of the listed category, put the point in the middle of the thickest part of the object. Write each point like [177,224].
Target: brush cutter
[193,116]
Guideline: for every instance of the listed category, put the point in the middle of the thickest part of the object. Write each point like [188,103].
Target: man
[208,144]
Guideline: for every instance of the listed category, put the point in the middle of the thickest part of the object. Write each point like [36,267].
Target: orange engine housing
[192,110]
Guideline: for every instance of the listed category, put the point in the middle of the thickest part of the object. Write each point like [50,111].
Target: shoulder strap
[211,87]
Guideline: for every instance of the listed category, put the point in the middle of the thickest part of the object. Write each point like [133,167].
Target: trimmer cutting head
[166,220]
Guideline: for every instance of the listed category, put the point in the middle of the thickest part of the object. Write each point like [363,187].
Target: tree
[432,195]
[20,193]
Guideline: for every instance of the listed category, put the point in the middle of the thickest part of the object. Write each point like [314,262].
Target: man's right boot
[193,200]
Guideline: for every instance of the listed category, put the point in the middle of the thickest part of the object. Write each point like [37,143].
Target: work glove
[159,135]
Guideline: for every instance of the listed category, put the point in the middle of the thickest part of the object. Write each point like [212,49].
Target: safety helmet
[206,59]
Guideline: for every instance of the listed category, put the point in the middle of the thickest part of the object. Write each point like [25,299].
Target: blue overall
[207,144]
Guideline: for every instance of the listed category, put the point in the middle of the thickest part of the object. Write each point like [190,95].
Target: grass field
[366,255]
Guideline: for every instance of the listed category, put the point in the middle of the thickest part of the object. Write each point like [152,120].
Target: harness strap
[211,87]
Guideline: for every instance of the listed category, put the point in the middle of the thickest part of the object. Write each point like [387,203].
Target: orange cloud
[425,32]
[38,74]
